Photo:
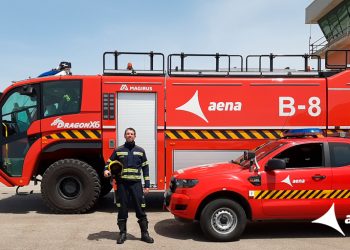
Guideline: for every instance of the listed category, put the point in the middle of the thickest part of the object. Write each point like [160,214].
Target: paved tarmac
[26,223]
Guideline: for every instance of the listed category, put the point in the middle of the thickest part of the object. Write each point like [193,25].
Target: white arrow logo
[124,87]
[287,181]
[193,107]
[329,219]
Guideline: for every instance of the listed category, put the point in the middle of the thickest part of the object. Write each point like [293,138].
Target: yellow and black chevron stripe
[300,194]
[75,134]
[223,134]
[239,134]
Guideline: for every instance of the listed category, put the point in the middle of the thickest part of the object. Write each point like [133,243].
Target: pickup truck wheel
[223,220]
[70,186]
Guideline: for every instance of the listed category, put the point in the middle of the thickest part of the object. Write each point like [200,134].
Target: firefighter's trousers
[133,190]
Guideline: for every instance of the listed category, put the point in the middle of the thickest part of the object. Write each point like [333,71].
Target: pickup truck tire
[223,220]
[70,186]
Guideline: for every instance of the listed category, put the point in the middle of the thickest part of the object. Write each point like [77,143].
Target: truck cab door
[300,191]
[19,109]
[340,162]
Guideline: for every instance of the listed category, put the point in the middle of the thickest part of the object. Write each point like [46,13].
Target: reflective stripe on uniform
[130,170]
[131,177]
[122,153]
[143,205]
[144,163]
[146,178]
[138,153]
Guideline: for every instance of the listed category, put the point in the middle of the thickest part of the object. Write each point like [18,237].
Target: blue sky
[36,35]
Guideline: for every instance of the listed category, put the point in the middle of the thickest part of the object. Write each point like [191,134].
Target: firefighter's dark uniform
[134,161]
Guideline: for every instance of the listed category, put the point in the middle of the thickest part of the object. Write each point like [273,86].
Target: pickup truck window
[307,155]
[340,154]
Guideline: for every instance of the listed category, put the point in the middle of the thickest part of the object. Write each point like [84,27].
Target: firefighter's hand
[106,173]
[146,190]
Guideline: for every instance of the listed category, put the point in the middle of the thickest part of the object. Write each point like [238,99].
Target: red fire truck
[61,129]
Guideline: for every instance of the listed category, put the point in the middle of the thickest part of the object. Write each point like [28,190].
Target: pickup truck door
[340,162]
[300,191]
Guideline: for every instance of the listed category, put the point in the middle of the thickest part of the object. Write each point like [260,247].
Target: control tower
[333,17]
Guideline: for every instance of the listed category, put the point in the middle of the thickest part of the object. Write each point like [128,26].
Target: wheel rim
[69,187]
[224,220]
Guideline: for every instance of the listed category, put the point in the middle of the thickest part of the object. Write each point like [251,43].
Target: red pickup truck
[294,178]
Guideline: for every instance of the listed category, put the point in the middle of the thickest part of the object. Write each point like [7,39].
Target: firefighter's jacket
[134,161]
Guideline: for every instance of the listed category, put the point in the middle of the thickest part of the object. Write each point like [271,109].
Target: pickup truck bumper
[180,205]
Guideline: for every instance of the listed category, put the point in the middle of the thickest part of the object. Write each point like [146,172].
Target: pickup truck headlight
[186,183]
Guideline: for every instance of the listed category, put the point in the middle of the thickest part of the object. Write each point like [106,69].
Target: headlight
[186,183]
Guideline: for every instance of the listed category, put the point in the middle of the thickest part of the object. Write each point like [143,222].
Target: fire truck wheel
[223,220]
[70,186]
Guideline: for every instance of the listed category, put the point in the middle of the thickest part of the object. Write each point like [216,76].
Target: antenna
[310,39]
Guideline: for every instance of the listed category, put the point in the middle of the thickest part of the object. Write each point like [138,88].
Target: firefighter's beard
[129,140]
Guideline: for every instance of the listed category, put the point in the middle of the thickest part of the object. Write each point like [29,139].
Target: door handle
[318,177]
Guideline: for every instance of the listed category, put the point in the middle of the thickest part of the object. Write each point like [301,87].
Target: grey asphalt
[26,223]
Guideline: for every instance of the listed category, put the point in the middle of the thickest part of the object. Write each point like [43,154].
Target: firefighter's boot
[122,231]
[144,231]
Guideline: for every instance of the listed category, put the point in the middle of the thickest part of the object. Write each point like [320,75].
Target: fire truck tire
[223,220]
[70,186]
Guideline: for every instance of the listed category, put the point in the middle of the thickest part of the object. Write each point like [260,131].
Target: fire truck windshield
[19,110]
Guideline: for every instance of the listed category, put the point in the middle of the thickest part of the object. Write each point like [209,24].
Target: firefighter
[134,160]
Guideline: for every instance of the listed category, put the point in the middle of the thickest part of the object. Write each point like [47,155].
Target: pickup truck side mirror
[248,155]
[275,164]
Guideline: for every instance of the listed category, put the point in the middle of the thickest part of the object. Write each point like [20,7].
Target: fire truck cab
[60,130]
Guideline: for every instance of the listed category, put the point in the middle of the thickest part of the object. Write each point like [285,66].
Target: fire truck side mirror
[275,164]
[27,90]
